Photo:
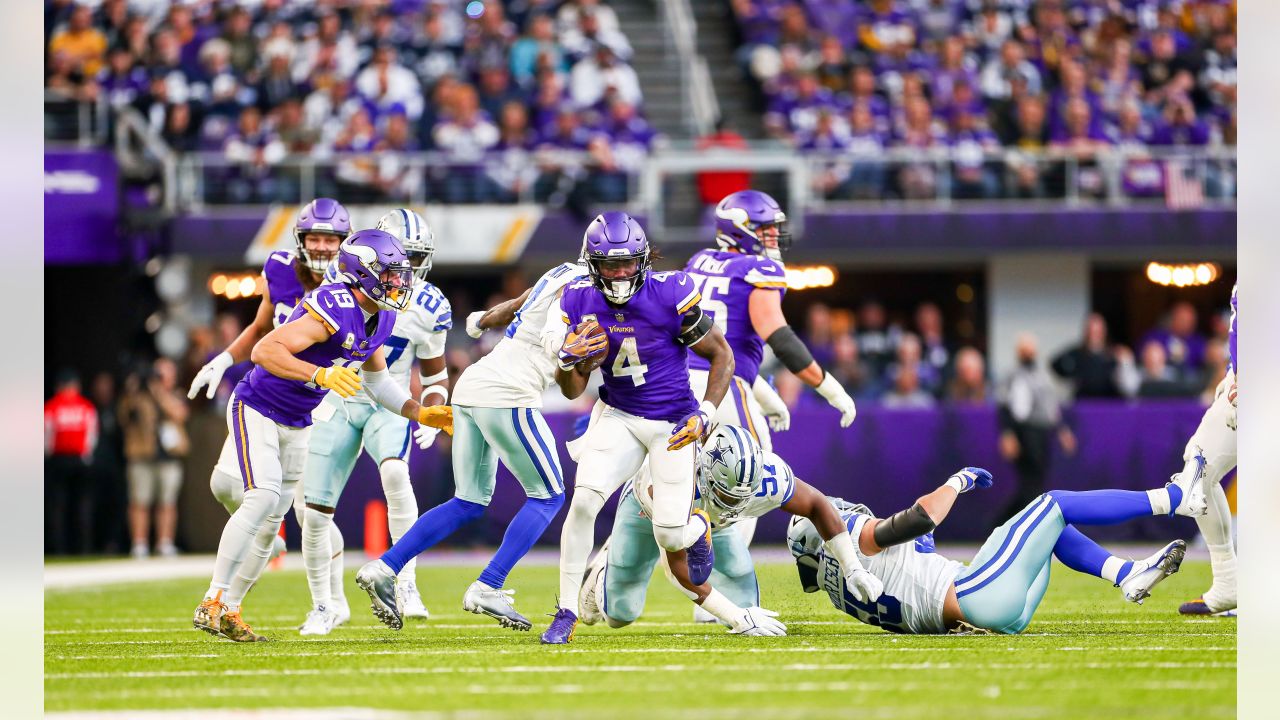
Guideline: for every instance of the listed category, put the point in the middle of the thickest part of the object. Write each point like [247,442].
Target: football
[591,328]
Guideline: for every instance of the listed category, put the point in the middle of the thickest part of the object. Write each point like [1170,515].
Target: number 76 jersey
[726,281]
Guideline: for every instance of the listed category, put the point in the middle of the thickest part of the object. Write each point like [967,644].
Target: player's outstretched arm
[276,352]
[210,375]
[806,501]
[392,396]
[927,513]
[499,315]
[750,622]
[767,320]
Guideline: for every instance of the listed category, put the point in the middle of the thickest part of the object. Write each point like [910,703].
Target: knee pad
[395,476]
[669,539]
[255,509]
[316,524]
[587,503]
[226,489]
[615,624]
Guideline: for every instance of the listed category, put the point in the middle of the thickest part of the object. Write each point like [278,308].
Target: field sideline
[129,647]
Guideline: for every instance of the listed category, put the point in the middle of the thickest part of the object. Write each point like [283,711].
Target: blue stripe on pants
[1013,530]
[555,466]
[1037,513]
[537,464]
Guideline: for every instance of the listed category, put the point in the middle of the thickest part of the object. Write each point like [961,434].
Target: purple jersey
[726,281]
[283,286]
[290,402]
[646,371]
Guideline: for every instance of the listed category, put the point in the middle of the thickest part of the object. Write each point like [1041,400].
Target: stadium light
[234,287]
[816,276]
[1188,275]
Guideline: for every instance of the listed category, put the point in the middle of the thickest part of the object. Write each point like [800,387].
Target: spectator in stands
[866,150]
[830,169]
[1081,142]
[1073,89]
[991,26]
[938,20]
[854,375]
[538,41]
[1158,379]
[508,165]
[496,90]
[998,75]
[833,66]
[465,138]
[906,393]
[933,343]
[569,17]
[487,37]
[1029,416]
[70,436]
[1218,77]
[390,86]
[1180,128]
[580,42]
[111,18]
[63,81]
[179,133]
[277,83]
[886,26]
[955,68]
[1166,72]
[1183,344]
[290,125]
[877,342]
[603,75]
[862,91]
[1118,80]
[329,46]
[242,45]
[974,173]
[909,356]
[153,417]
[436,53]
[83,46]
[796,111]
[122,81]
[255,150]
[397,178]
[1030,133]
[919,179]
[1091,366]
[969,385]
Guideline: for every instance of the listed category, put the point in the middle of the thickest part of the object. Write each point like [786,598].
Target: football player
[343,425]
[646,410]
[336,329]
[321,227]
[1000,590]
[1215,440]
[497,416]
[736,480]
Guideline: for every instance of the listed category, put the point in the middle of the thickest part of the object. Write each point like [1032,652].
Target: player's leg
[1135,578]
[331,456]
[256,443]
[618,579]
[1001,589]
[386,440]
[611,454]
[228,489]
[475,468]
[675,528]
[1215,441]
[734,572]
[525,443]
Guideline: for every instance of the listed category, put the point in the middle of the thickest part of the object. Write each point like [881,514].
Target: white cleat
[497,603]
[341,611]
[1195,502]
[1151,571]
[589,610]
[320,621]
[411,599]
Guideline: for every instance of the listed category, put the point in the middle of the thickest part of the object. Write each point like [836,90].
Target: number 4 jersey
[726,281]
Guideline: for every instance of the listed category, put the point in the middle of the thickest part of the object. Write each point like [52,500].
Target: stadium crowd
[518,99]
[982,82]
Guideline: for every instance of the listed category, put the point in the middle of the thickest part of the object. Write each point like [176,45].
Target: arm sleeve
[385,391]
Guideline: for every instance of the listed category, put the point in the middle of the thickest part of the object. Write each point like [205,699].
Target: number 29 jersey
[646,370]
[726,281]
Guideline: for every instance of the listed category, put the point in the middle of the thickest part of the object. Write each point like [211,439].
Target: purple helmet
[375,262]
[614,243]
[740,218]
[322,215]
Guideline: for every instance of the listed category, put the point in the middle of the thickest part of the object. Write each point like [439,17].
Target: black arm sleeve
[903,526]
[694,325]
[790,349]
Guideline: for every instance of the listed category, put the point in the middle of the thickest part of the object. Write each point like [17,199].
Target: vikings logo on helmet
[742,216]
[375,262]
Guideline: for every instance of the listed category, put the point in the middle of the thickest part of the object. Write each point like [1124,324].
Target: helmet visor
[396,284]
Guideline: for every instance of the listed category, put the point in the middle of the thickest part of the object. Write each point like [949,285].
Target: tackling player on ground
[320,229]
[497,416]
[1000,590]
[646,408]
[343,425]
[335,329]
[1215,441]
[736,480]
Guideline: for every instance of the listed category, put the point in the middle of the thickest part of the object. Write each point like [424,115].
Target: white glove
[211,375]
[835,395]
[473,324]
[864,586]
[424,436]
[775,410]
[757,622]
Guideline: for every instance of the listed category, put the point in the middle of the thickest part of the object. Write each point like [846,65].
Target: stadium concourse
[931,234]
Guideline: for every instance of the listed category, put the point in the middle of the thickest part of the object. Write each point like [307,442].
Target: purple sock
[433,526]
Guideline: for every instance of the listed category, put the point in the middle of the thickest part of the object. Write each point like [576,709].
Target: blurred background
[986,195]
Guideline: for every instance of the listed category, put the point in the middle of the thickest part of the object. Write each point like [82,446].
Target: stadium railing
[67,120]
[695,76]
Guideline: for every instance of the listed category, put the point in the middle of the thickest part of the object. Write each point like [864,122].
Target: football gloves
[775,410]
[691,427]
[581,344]
[757,622]
[211,375]
[968,478]
[424,436]
[473,324]
[339,378]
[864,586]
[439,417]
[835,395]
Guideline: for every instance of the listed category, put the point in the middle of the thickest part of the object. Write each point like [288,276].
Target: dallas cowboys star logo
[716,454]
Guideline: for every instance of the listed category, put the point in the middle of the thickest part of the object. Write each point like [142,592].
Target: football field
[1088,654]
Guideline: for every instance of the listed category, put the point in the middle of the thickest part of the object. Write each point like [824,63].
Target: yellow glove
[439,417]
[340,379]
[691,427]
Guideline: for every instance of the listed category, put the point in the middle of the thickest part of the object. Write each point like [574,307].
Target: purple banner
[887,459]
[81,208]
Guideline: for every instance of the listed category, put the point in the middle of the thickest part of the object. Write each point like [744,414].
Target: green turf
[1087,654]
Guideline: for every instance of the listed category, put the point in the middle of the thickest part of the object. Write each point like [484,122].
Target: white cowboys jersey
[419,334]
[520,366]
[776,488]
[916,580]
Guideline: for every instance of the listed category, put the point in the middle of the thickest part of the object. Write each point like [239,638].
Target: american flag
[1182,188]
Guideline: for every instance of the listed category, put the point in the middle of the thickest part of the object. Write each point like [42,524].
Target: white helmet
[730,468]
[415,235]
